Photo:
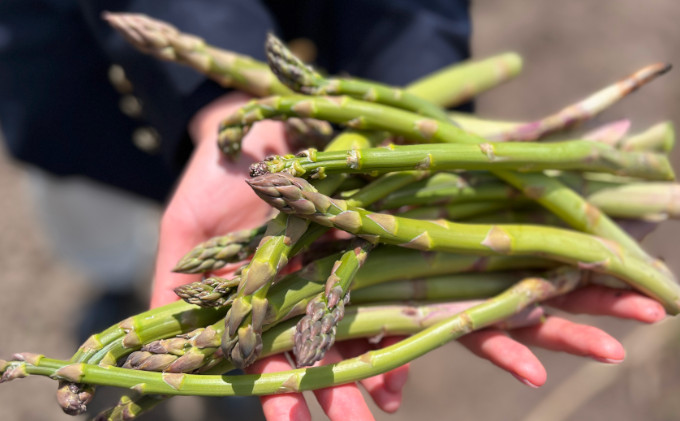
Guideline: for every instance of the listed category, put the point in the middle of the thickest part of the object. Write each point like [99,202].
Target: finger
[506,353]
[289,406]
[385,389]
[343,402]
[562,335]
[395,380]
[599,300]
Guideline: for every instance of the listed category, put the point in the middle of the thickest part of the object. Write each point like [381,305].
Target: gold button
[147,139]
[304,49]
[119,80]
[130,105]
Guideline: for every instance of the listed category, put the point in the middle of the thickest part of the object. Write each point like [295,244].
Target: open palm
[213,199]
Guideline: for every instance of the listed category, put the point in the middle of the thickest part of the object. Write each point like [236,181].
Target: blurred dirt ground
[570,49]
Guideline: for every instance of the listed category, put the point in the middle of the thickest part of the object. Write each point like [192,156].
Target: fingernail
[608,360]
[395,381]
[525,381]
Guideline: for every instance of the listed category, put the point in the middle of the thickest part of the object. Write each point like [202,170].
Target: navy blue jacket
[59,111]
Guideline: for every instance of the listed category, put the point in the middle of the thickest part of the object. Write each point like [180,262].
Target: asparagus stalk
[510,302]
[244,320]
[166,42]
[211,292]
[584,109]
[296,196]
[648,201]
[459,211]
[609,133]
[660,137]
[315,332]
[219,251]
[567,155]
[300,77]
[457,84]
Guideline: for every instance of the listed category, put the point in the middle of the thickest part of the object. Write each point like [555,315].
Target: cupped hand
[212,199]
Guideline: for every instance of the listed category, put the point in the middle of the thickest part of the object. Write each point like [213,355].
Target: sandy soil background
[570,49]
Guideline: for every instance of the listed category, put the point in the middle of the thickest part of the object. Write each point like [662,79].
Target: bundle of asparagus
[439,209]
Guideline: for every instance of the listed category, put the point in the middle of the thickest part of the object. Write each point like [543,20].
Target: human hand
[210,200]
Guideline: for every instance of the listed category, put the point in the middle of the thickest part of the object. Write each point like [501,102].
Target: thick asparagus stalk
[584,109]
[244,321]
[296,196]
[567,155]
[166,42]
[300,77]
[457,84]
[523,294]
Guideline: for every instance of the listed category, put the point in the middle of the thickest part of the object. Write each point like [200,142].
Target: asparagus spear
[584,109]
[525,293]
[660,137]
[300,77]
[219,251]
[315,332]
[211,292]
[459,83]
[567,155]
[296,196]
[166,42]
[244,320]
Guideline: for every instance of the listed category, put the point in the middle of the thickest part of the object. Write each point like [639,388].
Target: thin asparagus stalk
[296,196]
[648,201]
[166,42]
[219,251]
[300,77]
[383,186]
[660,137]
[460,211]
[578,155]
[584,109]
[610,133]
[444,188]
[510,302]
[315,332]
[481,126]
